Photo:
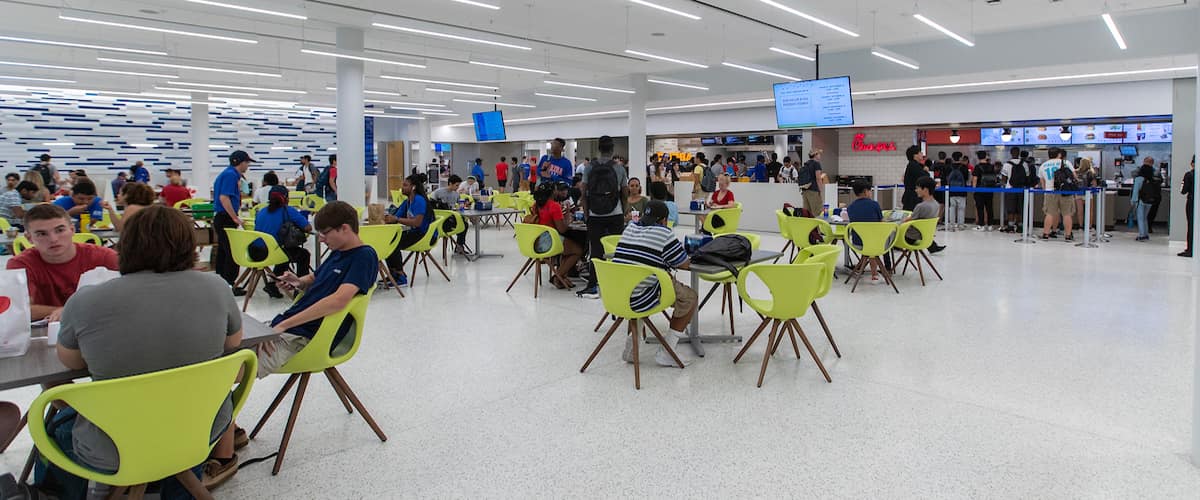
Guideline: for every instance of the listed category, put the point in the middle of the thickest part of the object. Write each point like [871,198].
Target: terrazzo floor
[1039,371]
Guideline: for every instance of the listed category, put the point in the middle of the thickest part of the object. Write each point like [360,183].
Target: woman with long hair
[271,219]
[1086,174]
[43,195]
[550,213]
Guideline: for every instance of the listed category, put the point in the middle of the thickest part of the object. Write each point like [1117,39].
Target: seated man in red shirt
[55,263]
[174,192]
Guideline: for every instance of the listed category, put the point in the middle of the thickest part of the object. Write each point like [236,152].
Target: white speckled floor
[1042,371]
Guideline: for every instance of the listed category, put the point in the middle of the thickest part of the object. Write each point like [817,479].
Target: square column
[351,182]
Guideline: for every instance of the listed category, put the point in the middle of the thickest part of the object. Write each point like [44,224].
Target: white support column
[781,146]
[425,153]
[637,125]
[571,151]
[201,158]
[1195,294]
[350,134]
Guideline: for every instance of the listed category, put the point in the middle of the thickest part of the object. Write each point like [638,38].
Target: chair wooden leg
[254,276]
[724,296]
[811,352]
[115,492]
[858,273]
[789,246]
[241,279]
[792,335]
[824,326]
[603,341]
[663,342]
[888,276]
[15,432]
[445,246]
[601,323]
[33,453]
[637,363]
[537,277]
[425,262]
[362,410]
[920,271]
[750,342]
[291,423]
[338,390]
[386,273]
[412,277]
[440,270]
[930,262]
[193,485]
[729,293]
[137,492]
[767,355]
[520,273]
[275,404]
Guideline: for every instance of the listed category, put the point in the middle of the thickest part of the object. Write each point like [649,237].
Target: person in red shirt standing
[502,173]
[174,192]
[55,263]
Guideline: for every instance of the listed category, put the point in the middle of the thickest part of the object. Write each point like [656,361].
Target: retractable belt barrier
[1027,212]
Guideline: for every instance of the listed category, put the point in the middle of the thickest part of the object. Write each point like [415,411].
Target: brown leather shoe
[216,473]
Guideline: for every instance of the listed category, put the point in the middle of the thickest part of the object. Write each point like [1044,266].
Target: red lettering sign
[1114,135]
[878,147]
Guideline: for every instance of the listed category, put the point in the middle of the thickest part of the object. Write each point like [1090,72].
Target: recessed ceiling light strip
[666,9]
[812,18]
[155,29]
[251,9]
[478,4]
[90,70]
[793,52]
[80,45]
[665,58]
[220,92]
[685,85]
[31,79]
[1027,80]
[237,87]
[1112,28]
[495,103]
[946,31]
[888,55]
[582,86]
[760,71]
[514,68]
[449,36]
[402,103]
[361,58]
[461,92]
[568,97]
[183,66]
[439,82]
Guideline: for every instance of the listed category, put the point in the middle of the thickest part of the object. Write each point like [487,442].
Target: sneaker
[663,359]
[979,228]
[950,229]
[272,291]
[239,291]
[401,278]
[592,292]
[1142,238]
[936,249]
[1045,236]
[1184,253]
[1070,237]
[217,472]
[240,438]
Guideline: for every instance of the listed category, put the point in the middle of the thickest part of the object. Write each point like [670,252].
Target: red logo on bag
[5,302]
[860,144]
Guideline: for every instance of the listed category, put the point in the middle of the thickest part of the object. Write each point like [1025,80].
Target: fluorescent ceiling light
[449,36]
[666,9]
[235,87]
[814,19]
[91,70]
[495,103]
[411,108]
[711,104]
[250,9]
[478,4]
[31,79]
[560,96]
[398,117]
[793,52]
[58,144]
[514,68]
[439,82]
[155,29]
[963,40]
[373,92]
[182,66]
[667,59]
[1028,80]
[361,58]
[439,113]
[1112,28]
[218,146]
[582,86]
[222,92]
[888,55]
[80,45]
[554,117]
[761,71]
[461,92]
[676,84]
[143,145]
[332,148]
[403,103]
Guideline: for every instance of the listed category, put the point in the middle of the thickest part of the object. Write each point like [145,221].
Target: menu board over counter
[1043,135]
[814,103]
[1148,132]
[991,137]
[1097,134]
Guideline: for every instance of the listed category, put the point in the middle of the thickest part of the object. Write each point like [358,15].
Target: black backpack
[988,177]
[290,235]
[723,250]
[1151,192]
[1064,179]
[1016,174]
[47,177]
[603,193]
[807,175]
[956,179]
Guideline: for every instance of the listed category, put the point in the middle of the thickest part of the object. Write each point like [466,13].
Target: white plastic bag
[14,313]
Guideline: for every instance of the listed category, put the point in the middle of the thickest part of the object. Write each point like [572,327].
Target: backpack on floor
[723,250]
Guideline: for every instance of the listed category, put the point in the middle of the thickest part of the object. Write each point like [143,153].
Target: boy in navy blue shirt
[865,209]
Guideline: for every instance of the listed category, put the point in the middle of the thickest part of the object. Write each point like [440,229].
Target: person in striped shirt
[651,243]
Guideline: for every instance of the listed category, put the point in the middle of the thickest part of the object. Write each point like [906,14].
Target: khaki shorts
[813,202]
[284,347]
[1059,204]
[685,300]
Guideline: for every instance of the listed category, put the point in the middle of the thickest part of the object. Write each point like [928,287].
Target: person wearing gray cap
[650,242]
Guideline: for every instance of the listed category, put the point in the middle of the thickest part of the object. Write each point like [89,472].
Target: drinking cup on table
[52,332]
[12,232]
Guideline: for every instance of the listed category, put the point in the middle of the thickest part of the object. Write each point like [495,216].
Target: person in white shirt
[261,194]
[788,172]
[1056,205]
[470,188]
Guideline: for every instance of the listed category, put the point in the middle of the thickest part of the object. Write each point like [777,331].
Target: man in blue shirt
[412,214]
[478,173]
[554,167]
[760,170]
[227,200]
[140,173]
[83,200]
[525,168]
[865,209]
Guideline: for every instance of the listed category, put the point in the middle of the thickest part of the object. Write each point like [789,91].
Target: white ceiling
[585,40]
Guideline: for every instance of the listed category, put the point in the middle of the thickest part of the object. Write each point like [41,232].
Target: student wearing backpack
[271,220]
[812,183]
[605,190]
[985,177]
[1056,174]
[327,181]
[956,204]
[1015,177]
[1158,178]
[1146,192]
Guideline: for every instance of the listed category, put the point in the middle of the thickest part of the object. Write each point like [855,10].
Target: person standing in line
[306,177]
[526,180]
[812,183]
[478,173]
[731,166]
[1153,215]
[554,167]
[225,215]
[1145,190]
[1057,205]
[514,174]
[1087,179]
[1189,190]
[699,177]
[913,171]
[605,190]
[1015,177]
[773,168]
[502,174]
[759,172]
[984,177]
[118,182]
[956,204]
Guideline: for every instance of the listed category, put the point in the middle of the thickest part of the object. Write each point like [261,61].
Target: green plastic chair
[877,240]
[617,282]
[419,252]
[20,244]
[504,200]
[312,203]
[527,236]
[460,227]
[87,238]
[610,243]
[792,288]
[161,422]
[255,270]
[322,356]
[928,228]
[796,231]
[398,197]
[5,225]
[825,255]
[726,281]
[731,216]
[383,238]
[189,202]
[296,198]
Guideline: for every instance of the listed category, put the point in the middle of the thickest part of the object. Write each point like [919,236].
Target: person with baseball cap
[227,194]
[650,242]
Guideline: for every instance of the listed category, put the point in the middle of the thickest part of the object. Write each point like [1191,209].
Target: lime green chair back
[20,244]
[87,238]
[189,202]
[825,255]
[617,282]
[784,229]
[239,245]
[432,233]
[524,205]
[398,197]
[792,288]
[296,198]
[160,422]
[362,212]
[382,238]
[528,234]
[610,243]
[313,203]
[504,200]
[5,226]
[470,199]
[877,237]
[460,223]
[799,229]
[248,224]
[320,353]
[730,216]
[927,227]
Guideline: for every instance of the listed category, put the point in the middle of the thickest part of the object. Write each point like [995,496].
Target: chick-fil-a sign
[860,144]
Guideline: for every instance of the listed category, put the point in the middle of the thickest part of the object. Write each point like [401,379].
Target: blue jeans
[1143,209]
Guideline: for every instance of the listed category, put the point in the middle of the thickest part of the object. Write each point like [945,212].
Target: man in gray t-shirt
[928,208]
[449,195]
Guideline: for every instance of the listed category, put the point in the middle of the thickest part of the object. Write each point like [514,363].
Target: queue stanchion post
[1026,219]
[1087,221]
[1101,226]
[895,199]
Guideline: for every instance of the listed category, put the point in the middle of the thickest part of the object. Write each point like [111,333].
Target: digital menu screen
[991,137]
[1043,135]
[1148,132]
[814,103]
[1097,134]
